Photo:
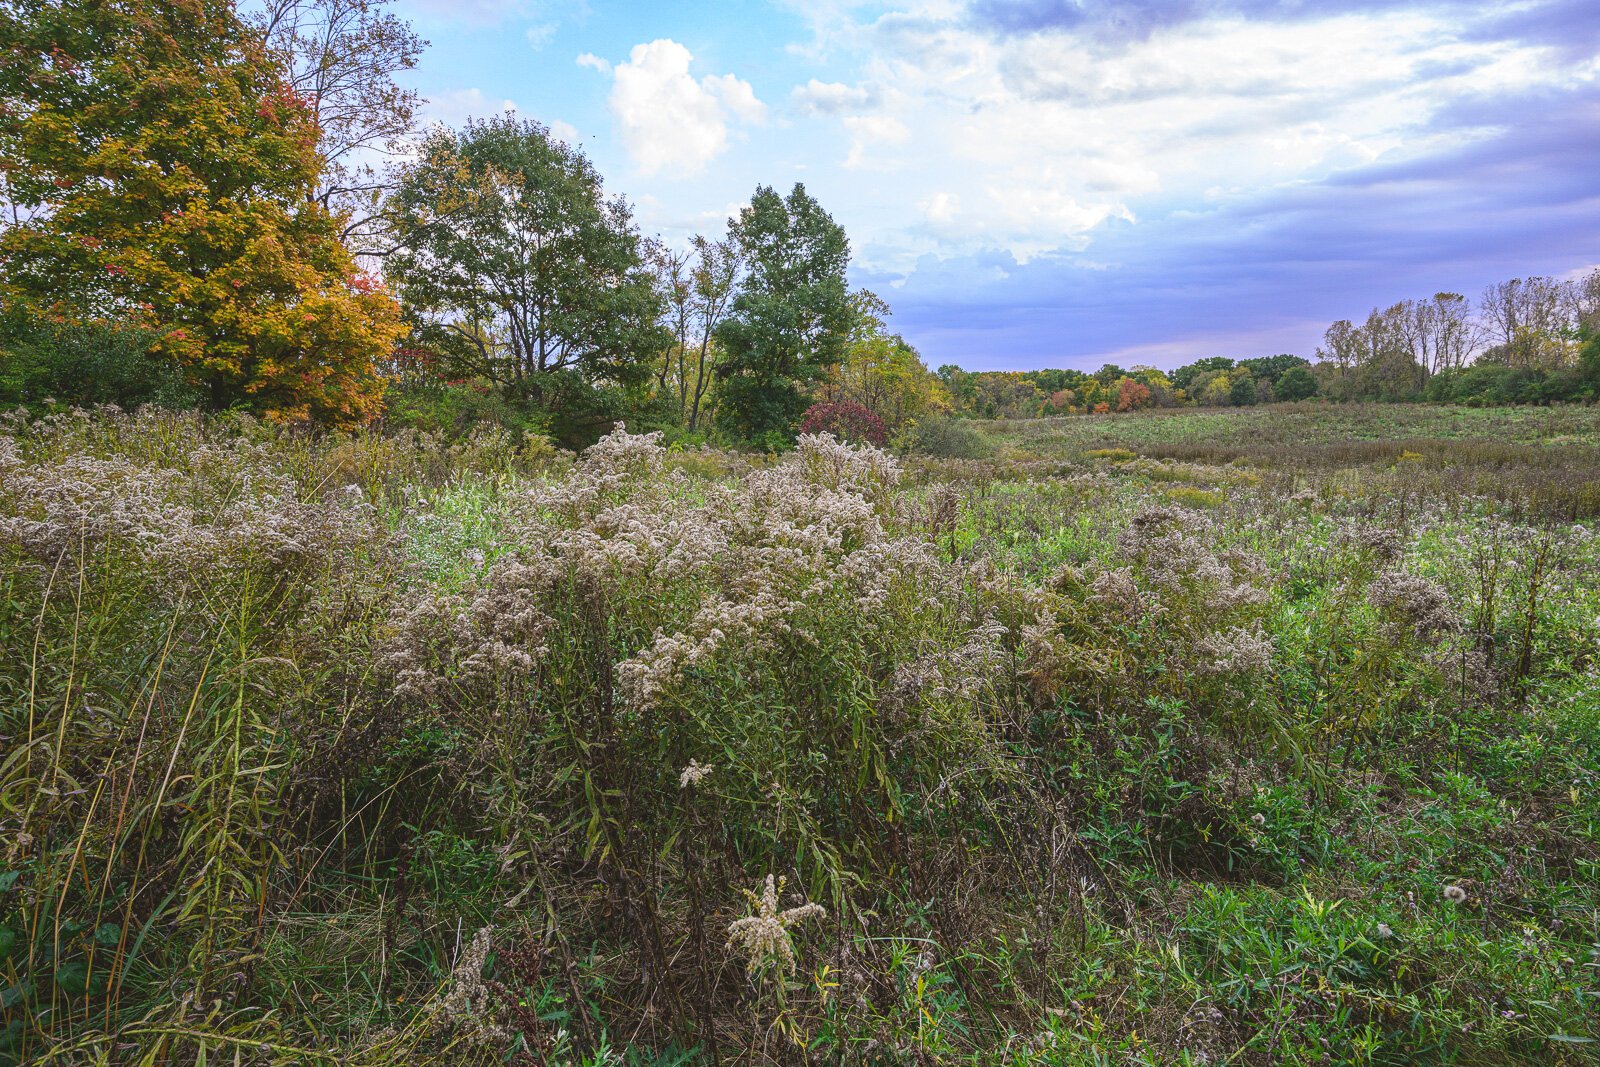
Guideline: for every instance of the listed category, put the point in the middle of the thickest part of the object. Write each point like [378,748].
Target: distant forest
[1525,341]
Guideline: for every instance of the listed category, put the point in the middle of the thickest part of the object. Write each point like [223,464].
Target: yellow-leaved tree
[157,172]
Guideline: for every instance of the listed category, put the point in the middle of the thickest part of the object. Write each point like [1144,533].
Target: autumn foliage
[160,171]
[846,420]
[1131,394]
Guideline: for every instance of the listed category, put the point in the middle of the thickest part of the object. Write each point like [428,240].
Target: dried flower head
[694,774]
[1418,603]
[1239,651]
[468,1000]
[1117,591]
[1379,542]
[763,936]
[1455,894]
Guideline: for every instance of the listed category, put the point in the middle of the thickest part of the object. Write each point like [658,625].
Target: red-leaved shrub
[846,421]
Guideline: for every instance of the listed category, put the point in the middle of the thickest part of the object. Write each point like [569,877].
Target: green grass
[1300,424]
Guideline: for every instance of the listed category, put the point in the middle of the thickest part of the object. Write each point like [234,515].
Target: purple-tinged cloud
[1267,273]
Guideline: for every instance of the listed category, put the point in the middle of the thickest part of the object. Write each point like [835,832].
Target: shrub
[443,755]
[946,438]
[88,364]
[453,409]
[846,420]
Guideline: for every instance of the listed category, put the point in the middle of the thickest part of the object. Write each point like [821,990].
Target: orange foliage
[170,177]
[1132,394]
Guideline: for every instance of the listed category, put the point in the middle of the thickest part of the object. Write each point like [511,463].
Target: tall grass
[385,750]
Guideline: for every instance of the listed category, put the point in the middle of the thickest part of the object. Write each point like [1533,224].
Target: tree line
[1214,380]
[237,210]
[1527,340]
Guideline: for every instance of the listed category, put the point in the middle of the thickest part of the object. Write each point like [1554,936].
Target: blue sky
[1060,183]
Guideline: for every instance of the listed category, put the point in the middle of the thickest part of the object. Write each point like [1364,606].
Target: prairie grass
[1154,740]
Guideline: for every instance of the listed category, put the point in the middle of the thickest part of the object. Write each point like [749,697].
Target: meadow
[1256,736]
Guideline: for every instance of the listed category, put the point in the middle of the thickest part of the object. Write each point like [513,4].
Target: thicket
[377,749]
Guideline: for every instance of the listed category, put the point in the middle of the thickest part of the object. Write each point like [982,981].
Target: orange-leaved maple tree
[157,172]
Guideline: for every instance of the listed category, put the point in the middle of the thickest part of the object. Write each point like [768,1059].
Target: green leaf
[11,994]
[72,978]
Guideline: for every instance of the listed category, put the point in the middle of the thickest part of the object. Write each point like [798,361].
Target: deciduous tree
[881,371]
[342,57]
[790,321]
[1523,317]
[515,264]
[161,169]
[718,267]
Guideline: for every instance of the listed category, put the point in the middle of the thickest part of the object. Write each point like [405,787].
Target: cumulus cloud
[1049,120]
[940,208]
[669,121]
[1071,180]
[870,132]
[1261,273]
[565,131]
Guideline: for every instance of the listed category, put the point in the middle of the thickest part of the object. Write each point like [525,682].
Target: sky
[1063,183]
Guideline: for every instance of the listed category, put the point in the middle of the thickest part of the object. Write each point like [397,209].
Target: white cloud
[564,131]
[872,131]
[832,98]
[594,62]
[940,208]
[540,33]
[668,121]
[1031,142]
[456,106]
[737,96]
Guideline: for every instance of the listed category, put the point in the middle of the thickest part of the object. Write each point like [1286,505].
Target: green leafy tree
[1272,368]
[159,172]
[792,319]
[516,267]
[1185,377]
[1296,383]
[1242,393]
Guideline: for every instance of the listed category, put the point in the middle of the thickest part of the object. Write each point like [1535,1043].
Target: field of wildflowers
[1139,740]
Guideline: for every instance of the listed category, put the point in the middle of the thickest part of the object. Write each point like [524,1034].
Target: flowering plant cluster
[351,699]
